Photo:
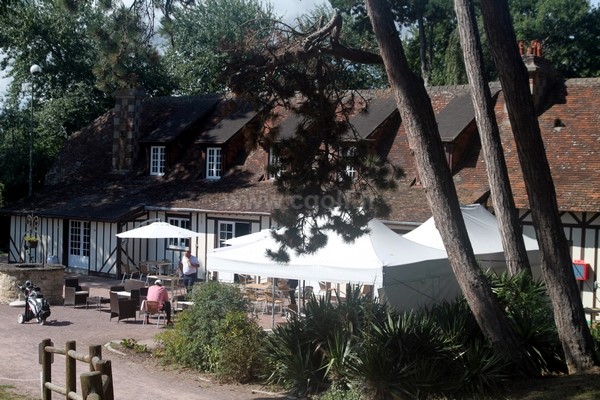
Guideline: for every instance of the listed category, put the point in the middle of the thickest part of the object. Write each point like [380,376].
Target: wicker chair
[122,308]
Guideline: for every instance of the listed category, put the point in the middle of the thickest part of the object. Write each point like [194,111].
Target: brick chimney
[542,75]
[126,125]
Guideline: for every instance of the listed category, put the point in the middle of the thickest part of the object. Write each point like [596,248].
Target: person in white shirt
[188,267]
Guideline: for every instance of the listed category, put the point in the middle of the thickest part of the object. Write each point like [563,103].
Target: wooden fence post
[91,383]
[71,368]
[94,351]
[46,361]
[105,368]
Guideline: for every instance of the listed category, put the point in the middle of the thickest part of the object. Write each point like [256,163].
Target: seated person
[159,293]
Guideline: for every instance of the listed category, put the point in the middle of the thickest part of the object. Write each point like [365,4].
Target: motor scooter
[36,305]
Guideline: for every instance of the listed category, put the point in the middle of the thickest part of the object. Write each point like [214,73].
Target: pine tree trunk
[504,205]
[557,268]
[418,118]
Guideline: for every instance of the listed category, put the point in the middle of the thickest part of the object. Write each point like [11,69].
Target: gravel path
[88,327]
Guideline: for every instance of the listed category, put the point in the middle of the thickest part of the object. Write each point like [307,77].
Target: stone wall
[49,278]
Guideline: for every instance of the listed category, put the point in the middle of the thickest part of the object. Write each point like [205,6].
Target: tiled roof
[227,120]
[571,133]
[82,185]
[178,114]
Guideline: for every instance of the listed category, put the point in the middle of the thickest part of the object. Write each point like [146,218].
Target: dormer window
[213,163]
[157,160]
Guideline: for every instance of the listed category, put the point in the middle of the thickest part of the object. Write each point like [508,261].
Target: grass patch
[8,392]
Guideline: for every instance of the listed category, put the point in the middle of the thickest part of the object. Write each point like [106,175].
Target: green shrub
[595,330]
[237,356]
[215,334]
[134,345]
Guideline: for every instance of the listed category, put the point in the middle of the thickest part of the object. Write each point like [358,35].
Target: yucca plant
[484,371]
[293,361]
[529,310]
[406,356]
[456,321]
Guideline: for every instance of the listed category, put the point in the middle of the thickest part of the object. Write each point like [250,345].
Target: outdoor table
[162,267]
[259,286]
[182,305]
[124,294]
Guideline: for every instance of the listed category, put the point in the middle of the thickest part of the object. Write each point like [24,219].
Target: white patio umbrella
[158,230]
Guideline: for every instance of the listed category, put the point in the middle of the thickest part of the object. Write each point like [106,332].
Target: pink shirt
[158,293]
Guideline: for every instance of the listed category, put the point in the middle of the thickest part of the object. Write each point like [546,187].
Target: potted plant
[31,241]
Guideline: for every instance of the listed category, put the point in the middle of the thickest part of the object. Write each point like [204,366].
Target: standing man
[189,266]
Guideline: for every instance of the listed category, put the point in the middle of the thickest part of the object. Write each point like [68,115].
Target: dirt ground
[133,376]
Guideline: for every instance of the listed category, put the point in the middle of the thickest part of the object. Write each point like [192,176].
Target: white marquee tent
[413,273]
[407,273]
[484,235]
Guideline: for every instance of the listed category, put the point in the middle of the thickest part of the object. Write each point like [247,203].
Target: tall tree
[556,260]
[303,75]
[419,119]
[199,32]
[504,205]
[85,51]
[568,29]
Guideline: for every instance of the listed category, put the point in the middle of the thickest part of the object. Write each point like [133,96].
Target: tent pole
[273,307]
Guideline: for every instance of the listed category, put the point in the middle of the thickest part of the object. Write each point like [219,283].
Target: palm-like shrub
[312,352]
[405,356]
[293,361]
[479,369]
[529,310]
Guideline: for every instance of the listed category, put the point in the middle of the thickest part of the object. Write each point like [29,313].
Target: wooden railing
[96,384]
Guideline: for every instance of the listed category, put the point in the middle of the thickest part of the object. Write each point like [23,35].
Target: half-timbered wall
[583,233]
[50,232]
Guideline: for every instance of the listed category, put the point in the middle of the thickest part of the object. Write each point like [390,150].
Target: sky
[287,9]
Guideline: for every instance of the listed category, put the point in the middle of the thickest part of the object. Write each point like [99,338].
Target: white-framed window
[182,222]
[213,163]
[351,168]
[230,229]
[157,160]
[79,238]
[273,162]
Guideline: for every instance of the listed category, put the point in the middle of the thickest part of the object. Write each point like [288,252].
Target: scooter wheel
[41,321]
[21,318]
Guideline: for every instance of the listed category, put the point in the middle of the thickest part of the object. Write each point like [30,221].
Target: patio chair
[255,298]
[149,309]
[307,292]
[75,295]
[272,300]
[143,270]
[122,308]
[128,270]
[324,288]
